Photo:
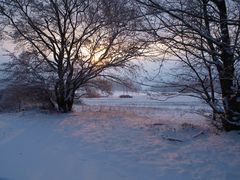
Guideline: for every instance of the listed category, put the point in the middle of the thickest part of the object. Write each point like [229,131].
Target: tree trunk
[231,119]
[231,104]
[64,97]
[64,106]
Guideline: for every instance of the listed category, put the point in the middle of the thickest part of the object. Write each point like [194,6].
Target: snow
[143,100]
[117,140]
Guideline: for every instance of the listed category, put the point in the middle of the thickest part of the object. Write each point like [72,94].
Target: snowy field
[118,139]
[142,100]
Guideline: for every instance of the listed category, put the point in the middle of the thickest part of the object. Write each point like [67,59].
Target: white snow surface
[142,100]
[117,139]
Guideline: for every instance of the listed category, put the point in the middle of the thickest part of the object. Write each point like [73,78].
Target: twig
[198,134]
[172,139]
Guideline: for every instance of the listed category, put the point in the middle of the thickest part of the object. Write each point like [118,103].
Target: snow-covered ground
[115,139]
[142,100]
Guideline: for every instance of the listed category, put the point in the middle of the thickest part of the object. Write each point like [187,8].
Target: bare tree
[77,39]
[204,36]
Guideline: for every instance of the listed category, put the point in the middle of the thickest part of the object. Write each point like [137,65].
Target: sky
[4,47]
[151,70]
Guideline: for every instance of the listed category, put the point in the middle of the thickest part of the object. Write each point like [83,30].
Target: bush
[92,93]
[125,96]
[22,97]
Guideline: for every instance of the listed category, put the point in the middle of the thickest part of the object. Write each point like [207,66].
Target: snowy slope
[114,143]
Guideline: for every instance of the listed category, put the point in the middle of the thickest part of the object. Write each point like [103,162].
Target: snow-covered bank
[108,143]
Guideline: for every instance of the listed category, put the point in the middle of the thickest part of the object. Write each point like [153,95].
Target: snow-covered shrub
[22,97]
[98,87]
[125,96]
[92,93]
